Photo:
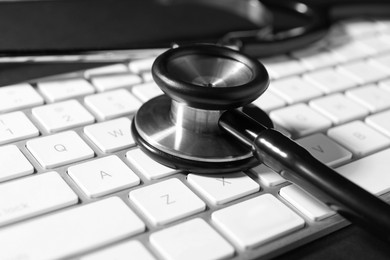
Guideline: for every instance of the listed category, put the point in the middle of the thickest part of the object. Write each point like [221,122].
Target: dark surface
[348,243]
[37,31]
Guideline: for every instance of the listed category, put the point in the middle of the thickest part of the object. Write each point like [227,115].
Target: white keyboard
[74,185]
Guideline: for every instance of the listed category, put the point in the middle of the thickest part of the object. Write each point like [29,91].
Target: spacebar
[70,232]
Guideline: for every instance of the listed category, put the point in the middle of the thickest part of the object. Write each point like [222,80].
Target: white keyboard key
[363,72]
[64,89]
[13,163]
[146,91]
[166,201]
[16,126]
[379,43]
[123,251]
[359,27]
[59,149]
[305,203]
[222,189]
[33,196]
[371,172]
[269,101]
[18,96]
[109,82]
[372,97]
[338,108]
[147,76]
[111,136]
[70,232]
[359,138]
[62,116]
[385,84]
[381,122]
[300,120]
[267,176]
[294,90]
[315,58]
[346,49]
[283,66]
[193,239]
[256,221]
[110,69]
[325,149]
[146,166]
[383,61]
[103,176]
[329,80]
[112,104]
[141,65]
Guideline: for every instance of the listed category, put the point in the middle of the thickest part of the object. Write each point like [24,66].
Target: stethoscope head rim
[184,90]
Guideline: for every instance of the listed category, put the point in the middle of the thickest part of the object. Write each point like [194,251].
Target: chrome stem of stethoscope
[199,127]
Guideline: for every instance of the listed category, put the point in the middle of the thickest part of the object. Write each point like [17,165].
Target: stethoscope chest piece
[180,129]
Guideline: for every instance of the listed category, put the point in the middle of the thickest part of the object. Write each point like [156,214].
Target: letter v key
[325,149]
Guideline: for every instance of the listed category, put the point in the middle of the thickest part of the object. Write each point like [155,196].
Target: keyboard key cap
[371,172]
[329,80]
[112,104]
[111,136]
[141,65]
[315,58]
[62,116]
[308,205]
[166,201]
[50,192]
[359,138]
[325,150]
[256,221]
[146,91]
[294,90]
[372,97]
[122,252]
[110,69]
[185,240]
[18,96]
[13,163]
[267,176]
[269,101]
[300,120]
[339,109]
[70,232]
[64,89]
[147,76]
[360,27]
[283,66]
[16,126]
[110,82]
[381,122]
[146,166]
[59,149]
[383,61]
[103,176]
[346,49]
[363,72]
[222,189]
[384,84]
[379,43]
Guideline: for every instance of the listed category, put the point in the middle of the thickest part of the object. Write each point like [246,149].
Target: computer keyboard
[74,185]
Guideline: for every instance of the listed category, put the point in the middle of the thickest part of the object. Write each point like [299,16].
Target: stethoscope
[200,126]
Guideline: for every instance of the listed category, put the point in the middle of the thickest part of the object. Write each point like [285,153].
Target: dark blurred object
[113,24]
